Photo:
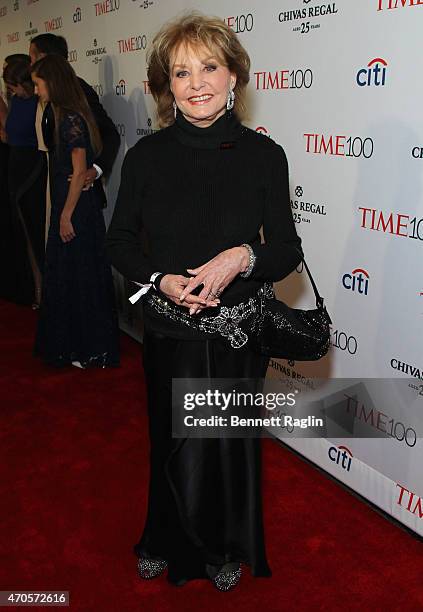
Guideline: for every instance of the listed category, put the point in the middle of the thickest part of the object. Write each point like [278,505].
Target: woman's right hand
[173,284]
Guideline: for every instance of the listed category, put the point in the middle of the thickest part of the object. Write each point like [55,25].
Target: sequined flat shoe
[150,568]
[227,579]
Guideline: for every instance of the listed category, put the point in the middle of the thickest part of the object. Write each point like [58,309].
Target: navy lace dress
[78,318]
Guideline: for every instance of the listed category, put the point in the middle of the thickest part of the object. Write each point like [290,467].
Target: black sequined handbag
[290,333]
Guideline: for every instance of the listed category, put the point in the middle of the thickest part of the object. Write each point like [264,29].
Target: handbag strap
[319,299]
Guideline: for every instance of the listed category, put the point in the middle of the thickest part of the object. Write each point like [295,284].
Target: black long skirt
[204,502]
[78,318]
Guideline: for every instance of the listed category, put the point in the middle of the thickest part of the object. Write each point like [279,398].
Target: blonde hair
[196,30]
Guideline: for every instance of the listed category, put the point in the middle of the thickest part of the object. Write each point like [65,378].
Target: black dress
[27,179]
[78,318]
[186,194]
[204,502]
[9,269]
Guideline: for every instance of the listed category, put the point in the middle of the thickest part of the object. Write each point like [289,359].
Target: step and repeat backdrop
[339,85]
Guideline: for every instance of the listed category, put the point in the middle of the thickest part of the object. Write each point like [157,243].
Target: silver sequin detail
[225,580]
[150,568]
[225,322]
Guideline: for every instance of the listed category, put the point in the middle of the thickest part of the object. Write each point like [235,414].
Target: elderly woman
[192,200]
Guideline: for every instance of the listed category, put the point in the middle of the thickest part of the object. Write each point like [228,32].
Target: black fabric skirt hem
[94,361]
[204,496]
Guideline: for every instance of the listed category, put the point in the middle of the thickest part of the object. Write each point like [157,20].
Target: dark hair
[51,44]
[19,73]
[16,57]
[66,94]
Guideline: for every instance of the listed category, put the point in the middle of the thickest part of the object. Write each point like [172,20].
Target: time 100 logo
[241,23]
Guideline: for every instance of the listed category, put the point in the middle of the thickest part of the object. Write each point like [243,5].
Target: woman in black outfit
[27,176]
[200,189]
[8,285]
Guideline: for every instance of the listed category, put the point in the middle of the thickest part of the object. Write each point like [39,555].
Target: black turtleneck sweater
[187,193]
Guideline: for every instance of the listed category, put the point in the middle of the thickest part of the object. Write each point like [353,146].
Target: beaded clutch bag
[230,322]
[269,326]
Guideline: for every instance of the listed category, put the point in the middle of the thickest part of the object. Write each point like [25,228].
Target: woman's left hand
[67,232]
[217,273]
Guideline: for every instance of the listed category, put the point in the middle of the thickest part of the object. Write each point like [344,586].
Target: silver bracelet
[251,262]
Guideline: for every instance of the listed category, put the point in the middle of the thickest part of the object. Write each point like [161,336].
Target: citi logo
[77,16]
[410,501]
[53,24]
[357,281]
[107,6]
[262,130]
[374,74]
[342,456]
[120,88]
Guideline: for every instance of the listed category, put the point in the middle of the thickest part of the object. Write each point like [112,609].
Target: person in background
[7,243]
[26,180]
[8,61]
[46,44]
[78,319]
[3,115]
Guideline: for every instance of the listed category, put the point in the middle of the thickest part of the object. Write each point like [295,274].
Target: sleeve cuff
[144,287]
[98,170]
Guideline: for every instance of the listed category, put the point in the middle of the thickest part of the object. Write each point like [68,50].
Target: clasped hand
[90,177]
[215,275]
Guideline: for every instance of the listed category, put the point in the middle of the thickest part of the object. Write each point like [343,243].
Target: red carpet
[74,461]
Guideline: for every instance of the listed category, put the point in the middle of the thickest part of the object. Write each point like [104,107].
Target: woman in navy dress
[27,177]
[78,319]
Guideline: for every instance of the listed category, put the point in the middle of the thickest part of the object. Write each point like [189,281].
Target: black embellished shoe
[227,579]
[150,568]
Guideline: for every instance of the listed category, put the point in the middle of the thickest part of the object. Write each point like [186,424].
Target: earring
[231,100]
[175,108]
